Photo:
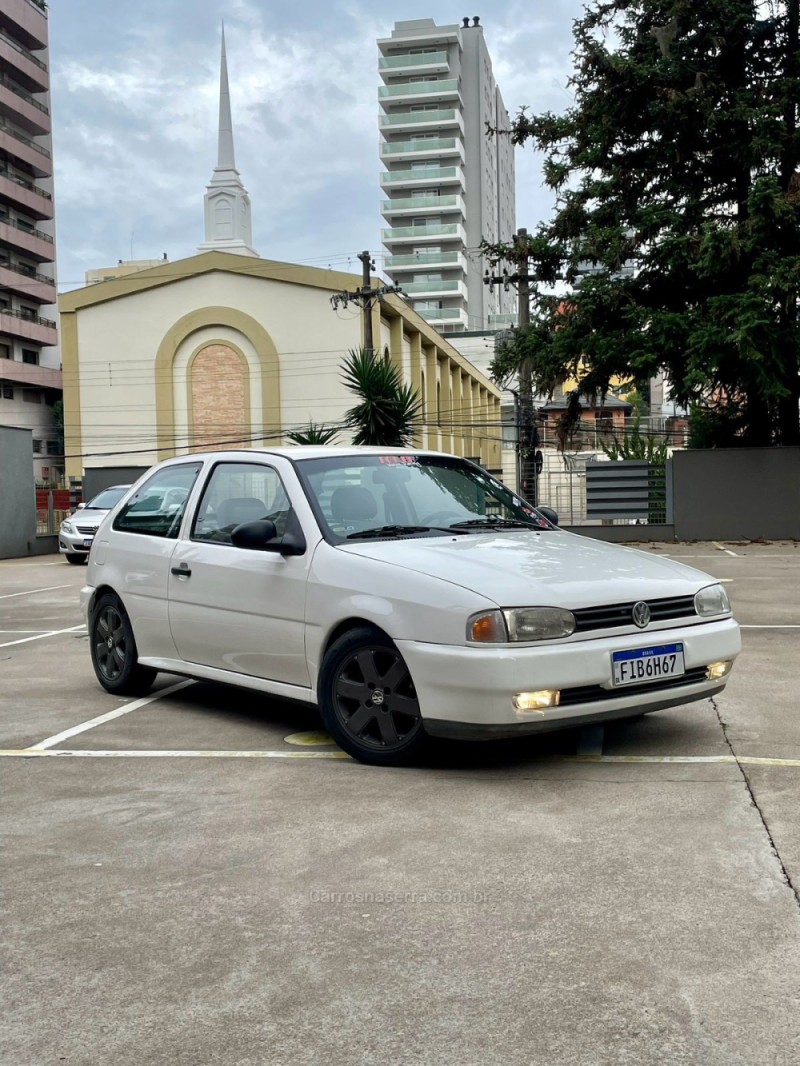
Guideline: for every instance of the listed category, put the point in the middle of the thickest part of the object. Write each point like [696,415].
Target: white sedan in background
[407,592]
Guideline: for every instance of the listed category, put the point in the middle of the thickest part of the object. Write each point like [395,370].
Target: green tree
[388,411]
[676,231]
[313,434]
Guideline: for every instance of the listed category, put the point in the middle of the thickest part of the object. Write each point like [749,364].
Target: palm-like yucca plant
[313,434]
[388,411]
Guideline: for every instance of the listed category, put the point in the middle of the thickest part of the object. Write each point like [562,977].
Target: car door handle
[182,570]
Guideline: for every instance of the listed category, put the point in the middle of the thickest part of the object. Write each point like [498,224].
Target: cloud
[135,101]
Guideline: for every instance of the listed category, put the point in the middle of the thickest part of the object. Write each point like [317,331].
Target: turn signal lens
[717,670]
[536,702]
[487,628]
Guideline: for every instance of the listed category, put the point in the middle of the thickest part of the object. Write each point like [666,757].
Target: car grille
[87,531]
[594,693]
[610,615]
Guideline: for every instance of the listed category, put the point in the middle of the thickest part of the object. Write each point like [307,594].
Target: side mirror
[262,536]
[80,506]
[549,513]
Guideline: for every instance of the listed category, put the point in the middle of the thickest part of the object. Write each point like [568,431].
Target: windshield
[412,494]
[108,498]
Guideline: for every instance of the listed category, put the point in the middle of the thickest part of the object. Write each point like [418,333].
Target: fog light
[536,702]
[717,670]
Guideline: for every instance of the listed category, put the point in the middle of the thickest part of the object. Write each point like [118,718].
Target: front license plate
[647,664]
[87,542]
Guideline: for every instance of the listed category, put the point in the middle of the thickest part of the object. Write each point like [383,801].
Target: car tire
[76,560]
[386,731]
[113,647]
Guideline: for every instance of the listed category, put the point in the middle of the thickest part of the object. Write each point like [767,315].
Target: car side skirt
[227,677]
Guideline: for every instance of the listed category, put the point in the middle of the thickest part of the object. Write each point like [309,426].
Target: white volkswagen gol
[407,592]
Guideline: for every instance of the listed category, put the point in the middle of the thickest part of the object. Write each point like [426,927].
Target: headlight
[66,527]
[520,624]
[711,600]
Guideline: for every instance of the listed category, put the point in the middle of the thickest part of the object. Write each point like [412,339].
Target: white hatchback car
[406,592]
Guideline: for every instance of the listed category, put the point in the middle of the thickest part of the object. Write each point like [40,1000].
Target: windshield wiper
[491,521]
[388,531]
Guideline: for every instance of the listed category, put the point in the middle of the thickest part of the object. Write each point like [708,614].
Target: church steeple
[227,205]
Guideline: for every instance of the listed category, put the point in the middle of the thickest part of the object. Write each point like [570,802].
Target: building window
[5,351]
[8,392]
[31,396]
[30,356]
[37,446]
[53,448]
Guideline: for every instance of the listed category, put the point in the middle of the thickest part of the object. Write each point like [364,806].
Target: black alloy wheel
[368,700]
[114,655]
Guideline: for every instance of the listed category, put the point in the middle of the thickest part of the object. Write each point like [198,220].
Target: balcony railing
[438,229]
[510,319]
[22,51]
[419,88]
[421,259]
[11,176]
[423,59]
[431,286]
[423,144]
[421,202]
[19,91]
[395,177]
[25,140]
[438,313]
[26,272]
[26,316]
[7,221]
[40,4]
[405,118]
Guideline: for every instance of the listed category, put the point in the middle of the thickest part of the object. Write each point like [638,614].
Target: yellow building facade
[224,350]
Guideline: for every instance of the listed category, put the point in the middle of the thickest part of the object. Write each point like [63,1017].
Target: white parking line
[49,633]
[89,754]
[62,753]
[109,716]
[726,550]
[32,592]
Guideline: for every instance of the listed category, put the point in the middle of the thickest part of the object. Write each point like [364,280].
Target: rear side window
[157,507]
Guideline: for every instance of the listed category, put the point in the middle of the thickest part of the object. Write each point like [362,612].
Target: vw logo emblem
[641,614]
[377,697]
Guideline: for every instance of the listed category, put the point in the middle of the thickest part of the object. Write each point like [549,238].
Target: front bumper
[75,543]
[467,691]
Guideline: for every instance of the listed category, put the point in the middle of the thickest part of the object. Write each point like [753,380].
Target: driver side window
[237,493]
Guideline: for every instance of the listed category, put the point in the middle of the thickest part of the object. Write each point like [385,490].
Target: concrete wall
[737,493]
[17,494]
[95,479]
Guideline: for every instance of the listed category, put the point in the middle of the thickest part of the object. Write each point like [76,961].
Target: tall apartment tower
[448,184]
[30,380]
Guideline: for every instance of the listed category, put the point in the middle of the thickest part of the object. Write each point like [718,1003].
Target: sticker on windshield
[398,460]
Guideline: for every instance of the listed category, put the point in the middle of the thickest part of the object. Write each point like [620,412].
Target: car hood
[88,516]
[522,568]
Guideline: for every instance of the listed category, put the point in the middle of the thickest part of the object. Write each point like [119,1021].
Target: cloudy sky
[135,102]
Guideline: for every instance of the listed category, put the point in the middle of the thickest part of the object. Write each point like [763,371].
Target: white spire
[227,205]
[225,156]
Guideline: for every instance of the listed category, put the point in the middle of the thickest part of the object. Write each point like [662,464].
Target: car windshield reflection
[410,495]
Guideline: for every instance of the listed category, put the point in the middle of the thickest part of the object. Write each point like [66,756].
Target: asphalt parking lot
[199,878]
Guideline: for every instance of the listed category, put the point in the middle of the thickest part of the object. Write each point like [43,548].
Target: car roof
[306,451]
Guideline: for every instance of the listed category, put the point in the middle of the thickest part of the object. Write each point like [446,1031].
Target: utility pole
[527,433]
[365,297]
